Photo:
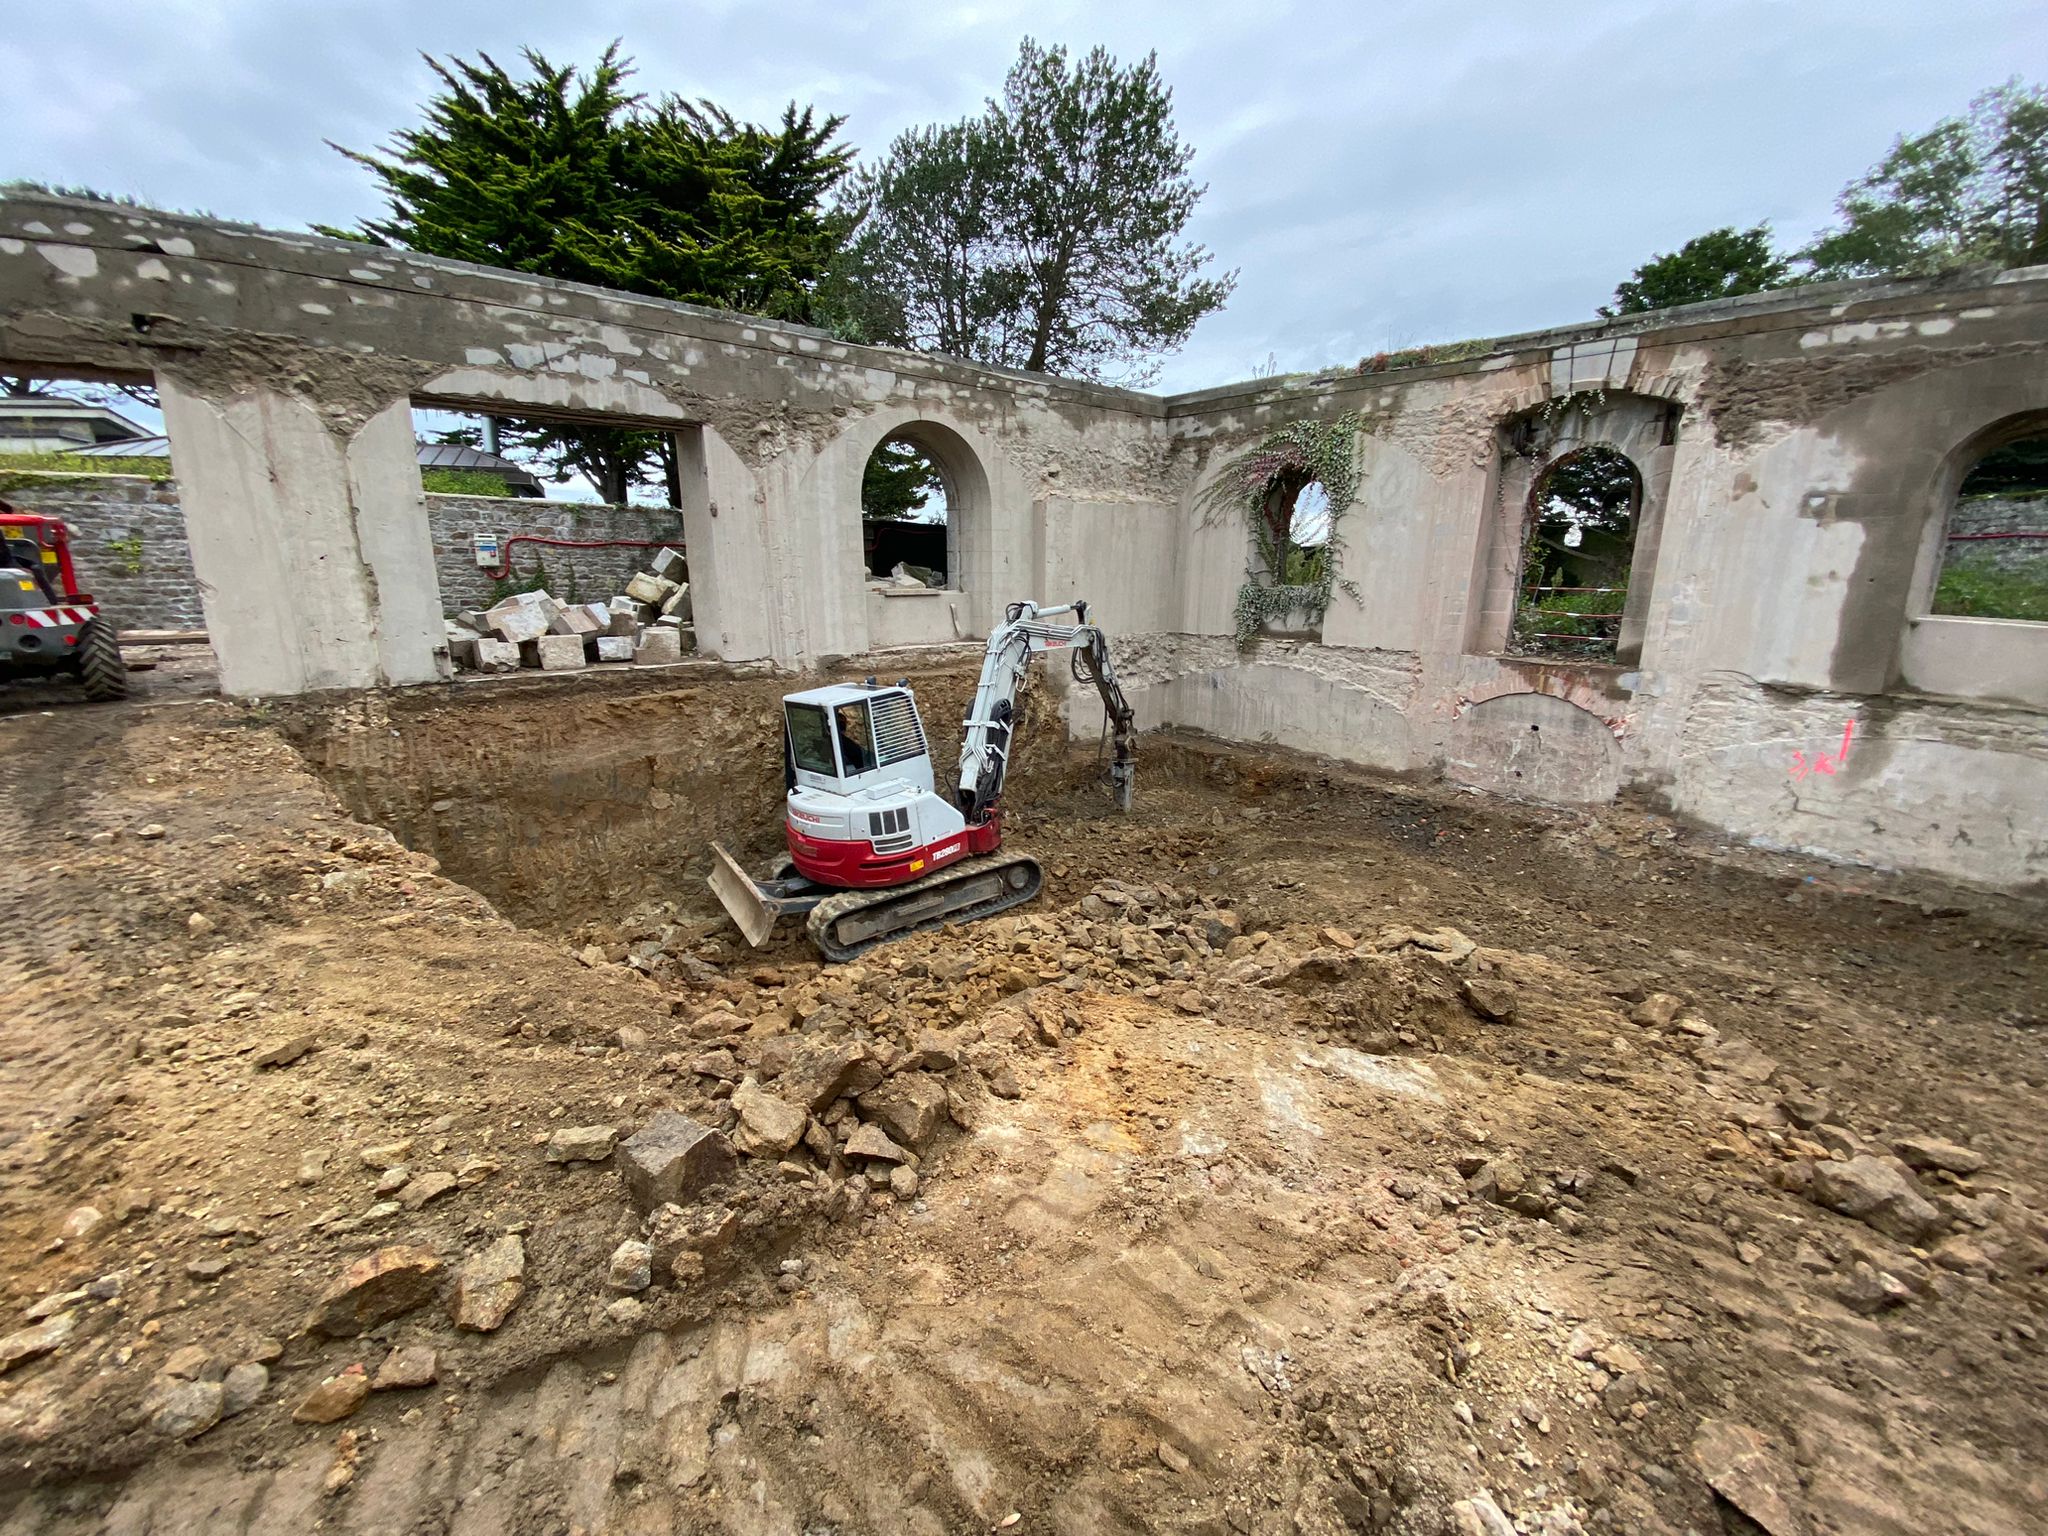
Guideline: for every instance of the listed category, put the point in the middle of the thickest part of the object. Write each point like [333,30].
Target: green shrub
[463,482]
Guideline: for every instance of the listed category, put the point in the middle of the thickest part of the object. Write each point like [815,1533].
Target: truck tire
[100,666]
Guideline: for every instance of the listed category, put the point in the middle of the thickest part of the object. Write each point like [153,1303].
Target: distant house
[52,424]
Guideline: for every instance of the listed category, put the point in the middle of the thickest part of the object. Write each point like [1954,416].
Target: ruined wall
[1799,451]
[128,540]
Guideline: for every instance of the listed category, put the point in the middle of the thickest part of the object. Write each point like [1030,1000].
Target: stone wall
[128,542]
[578,575]
[1998,514]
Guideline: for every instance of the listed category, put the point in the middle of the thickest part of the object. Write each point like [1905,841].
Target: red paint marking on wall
[1822,762]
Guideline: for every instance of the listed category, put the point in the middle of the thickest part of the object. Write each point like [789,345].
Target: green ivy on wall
[1262,485]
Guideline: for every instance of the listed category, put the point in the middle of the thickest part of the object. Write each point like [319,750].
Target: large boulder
[375,1289]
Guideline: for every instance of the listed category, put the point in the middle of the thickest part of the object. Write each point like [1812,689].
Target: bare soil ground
[1317,1154]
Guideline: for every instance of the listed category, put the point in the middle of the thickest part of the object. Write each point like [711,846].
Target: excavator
[875,851]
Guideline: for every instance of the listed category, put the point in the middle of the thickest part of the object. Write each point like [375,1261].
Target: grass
[1977,589]
[1545,624]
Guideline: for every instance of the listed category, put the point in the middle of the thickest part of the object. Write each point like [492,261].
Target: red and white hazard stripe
[55,618]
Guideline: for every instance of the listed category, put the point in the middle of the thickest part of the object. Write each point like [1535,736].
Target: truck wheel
[100,666]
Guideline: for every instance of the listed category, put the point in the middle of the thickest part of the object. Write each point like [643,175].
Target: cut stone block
[671,1159]
[496,656]
[614,647]
[462,651]
[519,620]
[473,621]
[678,604]
[574,621]
[669,564]
[623,617]
[553,653]
[659,647]
[646,587]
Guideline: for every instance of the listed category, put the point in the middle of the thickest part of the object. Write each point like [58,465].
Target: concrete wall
[128,539]
[1799,451]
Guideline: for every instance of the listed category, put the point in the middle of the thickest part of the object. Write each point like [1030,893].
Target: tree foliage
[1720,264]
[899,481]
[1969,189]
[1045,233]
[569,174]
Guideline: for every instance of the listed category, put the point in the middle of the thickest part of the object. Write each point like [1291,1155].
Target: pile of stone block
[649,623]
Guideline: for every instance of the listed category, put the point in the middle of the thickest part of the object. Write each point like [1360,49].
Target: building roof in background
[520,480]
[51,416]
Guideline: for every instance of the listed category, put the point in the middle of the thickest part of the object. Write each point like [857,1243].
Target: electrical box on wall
[487,552]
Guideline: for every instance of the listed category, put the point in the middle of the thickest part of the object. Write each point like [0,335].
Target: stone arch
[1531,443]
[970,508]
[1536,746]
[1954,469]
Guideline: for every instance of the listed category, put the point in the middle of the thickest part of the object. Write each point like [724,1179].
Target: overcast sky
[1379,175]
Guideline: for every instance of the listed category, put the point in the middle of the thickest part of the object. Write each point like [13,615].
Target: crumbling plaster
[1783,590]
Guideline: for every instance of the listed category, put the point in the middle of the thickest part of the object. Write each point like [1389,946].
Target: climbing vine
[1262,485]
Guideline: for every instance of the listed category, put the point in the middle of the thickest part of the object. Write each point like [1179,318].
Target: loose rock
[1739,1464]
[489,1285]
[409,1366]
[386,1284]
[1878,1194]
[334,1399]
[582,1144]
[28,1343]
[769,1126]
[910,1107]
[671,1159]
[243,1388]
[632,1267]
[188,1408]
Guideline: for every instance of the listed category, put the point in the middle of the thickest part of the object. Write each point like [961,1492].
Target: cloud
[1379,176]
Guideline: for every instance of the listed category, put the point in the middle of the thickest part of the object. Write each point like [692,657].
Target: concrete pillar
[314,562]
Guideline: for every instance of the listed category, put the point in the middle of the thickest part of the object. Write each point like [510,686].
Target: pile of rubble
[648,623]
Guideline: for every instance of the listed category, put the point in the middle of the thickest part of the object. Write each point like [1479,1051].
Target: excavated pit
[1319,1153]
[565,805]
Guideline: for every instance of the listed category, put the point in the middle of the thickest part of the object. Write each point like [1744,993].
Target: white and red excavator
[875,852]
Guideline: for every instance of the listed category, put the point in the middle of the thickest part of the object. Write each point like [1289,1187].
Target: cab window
[810,740]
[856,741]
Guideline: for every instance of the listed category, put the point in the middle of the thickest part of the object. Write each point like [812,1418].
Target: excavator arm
[1026,630]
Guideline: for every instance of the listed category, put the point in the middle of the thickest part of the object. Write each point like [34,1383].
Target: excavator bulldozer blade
[743,900]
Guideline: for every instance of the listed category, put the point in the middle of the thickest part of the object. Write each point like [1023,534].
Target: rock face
[671,1158]
[1877,1194]
[768,1125]
[489,1285]
[334,1399]
[373,1290]
[910,1107]
[582,1144]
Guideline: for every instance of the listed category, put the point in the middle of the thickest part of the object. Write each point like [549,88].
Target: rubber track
[829,911]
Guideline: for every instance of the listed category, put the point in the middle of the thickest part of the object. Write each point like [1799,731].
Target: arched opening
[1994,551]
[1578,551]
[906,504]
